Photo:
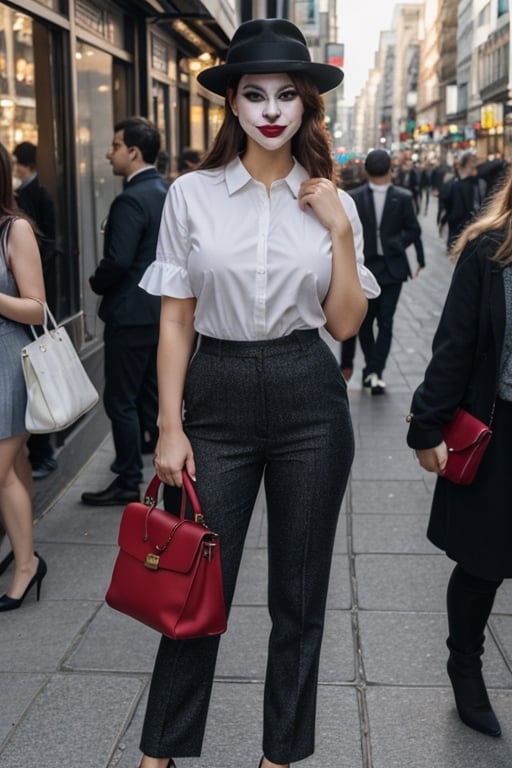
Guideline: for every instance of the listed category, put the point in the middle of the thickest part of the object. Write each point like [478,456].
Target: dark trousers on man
[276,409]
[130,390]
[376,346]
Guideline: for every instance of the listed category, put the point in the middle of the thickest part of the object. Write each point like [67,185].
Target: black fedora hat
[267,46]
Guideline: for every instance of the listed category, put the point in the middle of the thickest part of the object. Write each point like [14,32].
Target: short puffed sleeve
[168,274]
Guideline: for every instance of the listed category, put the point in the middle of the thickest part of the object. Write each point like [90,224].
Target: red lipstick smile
[271,131]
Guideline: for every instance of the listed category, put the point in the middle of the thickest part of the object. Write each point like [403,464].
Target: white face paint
[268,108]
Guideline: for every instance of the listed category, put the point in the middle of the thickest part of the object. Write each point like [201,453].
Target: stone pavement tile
[114,642]
[77,571]
[71,522]
[233,731]
[251,587]
[250,627]
[402,582]
[410,649]
[19,690]
[420,728]
[391,533]
[38,636]
[390,496]
[501,628]
[74,721]
[503,601]
[386,464]
[377,418]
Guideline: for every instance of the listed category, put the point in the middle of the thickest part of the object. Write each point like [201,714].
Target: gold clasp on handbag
[208,548]
[152,561]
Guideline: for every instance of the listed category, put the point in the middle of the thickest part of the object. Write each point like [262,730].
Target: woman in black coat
[471,367]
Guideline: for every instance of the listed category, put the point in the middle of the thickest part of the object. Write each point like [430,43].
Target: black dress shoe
[43,467]
[115,495]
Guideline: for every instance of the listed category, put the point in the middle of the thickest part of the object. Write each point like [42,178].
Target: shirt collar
[237,176]
[136,173]
[28,181]
[379,187]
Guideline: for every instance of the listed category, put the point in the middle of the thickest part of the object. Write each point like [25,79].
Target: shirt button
[261,270]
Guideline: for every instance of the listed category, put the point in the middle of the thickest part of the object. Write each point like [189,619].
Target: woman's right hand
[433,459]
[173,453]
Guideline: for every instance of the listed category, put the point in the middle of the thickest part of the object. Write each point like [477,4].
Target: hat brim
[326,77]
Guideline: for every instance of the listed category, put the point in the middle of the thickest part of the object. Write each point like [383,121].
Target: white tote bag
[59,390]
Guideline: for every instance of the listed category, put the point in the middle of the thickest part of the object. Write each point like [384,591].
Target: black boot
[469,602]
[473,705]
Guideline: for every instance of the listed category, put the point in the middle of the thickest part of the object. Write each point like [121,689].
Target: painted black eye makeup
[289,94]
[252,95]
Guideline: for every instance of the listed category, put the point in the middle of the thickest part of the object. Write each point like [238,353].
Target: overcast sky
[360,25]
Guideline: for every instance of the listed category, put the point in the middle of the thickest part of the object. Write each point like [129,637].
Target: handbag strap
[47,316]
[188,493]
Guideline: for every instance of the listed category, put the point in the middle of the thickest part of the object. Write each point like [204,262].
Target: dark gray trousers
[276,409]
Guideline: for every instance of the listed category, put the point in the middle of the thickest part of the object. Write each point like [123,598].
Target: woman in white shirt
[256,253]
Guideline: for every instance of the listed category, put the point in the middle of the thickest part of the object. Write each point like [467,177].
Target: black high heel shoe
[11,603]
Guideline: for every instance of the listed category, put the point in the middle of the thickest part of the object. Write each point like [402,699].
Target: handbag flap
[146,530]
[464,431]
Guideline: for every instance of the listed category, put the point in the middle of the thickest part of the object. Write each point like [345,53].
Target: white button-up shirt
[258,266]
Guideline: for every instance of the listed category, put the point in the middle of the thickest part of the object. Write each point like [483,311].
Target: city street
[74,673]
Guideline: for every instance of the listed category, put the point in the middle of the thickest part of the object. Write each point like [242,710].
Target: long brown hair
[8,205]
[311,144]
[496,215]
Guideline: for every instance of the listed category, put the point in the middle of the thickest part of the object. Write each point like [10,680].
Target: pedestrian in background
[463,196]
[131,315]
[409,178]
[426,184]
[390,225]
[35,200]
[471,367]
[21,298]
[256,253]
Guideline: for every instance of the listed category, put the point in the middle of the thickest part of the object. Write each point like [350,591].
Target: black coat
[462,199]
[473,524]
[131,235]
[399,228]
[34,200]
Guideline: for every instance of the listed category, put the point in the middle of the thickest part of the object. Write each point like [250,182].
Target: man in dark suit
[35,200]
[408,177]
[131,315]
[389,226]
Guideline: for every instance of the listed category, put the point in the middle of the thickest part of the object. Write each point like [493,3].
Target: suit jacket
[35,201]
[131,235]
[399,228]
[462,199]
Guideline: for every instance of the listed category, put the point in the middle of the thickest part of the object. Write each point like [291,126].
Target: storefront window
[161,118]
[17,84]
[97,184]
[33,103]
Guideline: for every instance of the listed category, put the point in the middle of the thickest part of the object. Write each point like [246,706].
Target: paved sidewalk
[74,674]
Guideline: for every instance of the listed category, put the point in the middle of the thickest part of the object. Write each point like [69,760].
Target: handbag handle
[47,316]
[188,492]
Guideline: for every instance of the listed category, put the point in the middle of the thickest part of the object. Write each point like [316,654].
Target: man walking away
[390,225]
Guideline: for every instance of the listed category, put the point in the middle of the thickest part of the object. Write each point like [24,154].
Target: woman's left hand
[434,459]
[321,195]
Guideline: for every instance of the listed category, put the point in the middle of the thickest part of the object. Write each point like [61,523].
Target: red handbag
[466,438]
[168,570]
